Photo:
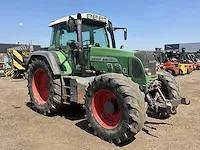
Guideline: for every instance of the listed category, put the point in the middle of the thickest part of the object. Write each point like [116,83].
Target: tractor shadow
[162,117]
[71,112]
[84,126]
[76,113]
[148,126]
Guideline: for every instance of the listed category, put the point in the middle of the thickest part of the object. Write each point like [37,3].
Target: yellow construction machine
[17,60]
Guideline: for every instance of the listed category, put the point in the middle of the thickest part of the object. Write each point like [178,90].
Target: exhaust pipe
[80,43]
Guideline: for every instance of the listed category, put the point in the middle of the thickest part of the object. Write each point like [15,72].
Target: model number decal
[103,59]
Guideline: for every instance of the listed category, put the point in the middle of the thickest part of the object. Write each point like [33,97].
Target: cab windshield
[94,35]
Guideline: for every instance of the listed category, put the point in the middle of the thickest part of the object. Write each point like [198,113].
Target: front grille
[137,70]
[148,60]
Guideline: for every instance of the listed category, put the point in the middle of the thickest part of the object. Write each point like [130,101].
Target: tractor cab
[79,35]
[88,41]
[92,29]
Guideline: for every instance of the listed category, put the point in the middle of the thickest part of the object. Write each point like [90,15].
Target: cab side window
[67,36]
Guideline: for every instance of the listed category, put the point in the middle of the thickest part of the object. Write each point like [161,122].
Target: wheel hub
[111,107]
[40,86]
[106,109]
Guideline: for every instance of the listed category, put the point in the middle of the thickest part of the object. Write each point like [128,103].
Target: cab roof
[89,16]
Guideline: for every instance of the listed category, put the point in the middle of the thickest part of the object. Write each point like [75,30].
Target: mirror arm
[121,28]
[117,28]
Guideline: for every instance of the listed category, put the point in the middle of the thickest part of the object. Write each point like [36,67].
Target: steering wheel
[86,41]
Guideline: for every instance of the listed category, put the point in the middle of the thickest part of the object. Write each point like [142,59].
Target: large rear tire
[115,107]
[169,86]
[44,89]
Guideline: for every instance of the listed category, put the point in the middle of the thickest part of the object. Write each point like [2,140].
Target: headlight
[147,71]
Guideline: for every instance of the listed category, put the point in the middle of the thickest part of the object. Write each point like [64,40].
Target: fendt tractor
[117,88]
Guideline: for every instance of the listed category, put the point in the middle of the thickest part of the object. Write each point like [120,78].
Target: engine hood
[148,60]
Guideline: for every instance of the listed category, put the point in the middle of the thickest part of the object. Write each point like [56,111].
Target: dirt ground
[23,129]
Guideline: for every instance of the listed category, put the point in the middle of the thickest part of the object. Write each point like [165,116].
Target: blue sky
[150,23]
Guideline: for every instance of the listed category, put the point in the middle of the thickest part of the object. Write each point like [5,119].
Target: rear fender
[48,56]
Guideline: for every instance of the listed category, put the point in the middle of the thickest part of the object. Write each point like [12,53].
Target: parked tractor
[195,60]
[165,63]
[185,67]
[117,88]
[184,58]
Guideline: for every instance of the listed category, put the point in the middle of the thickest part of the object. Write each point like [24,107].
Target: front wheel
[169,86]
[44,88]
[115,107]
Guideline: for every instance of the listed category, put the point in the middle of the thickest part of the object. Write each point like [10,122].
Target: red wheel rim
[105,119]
[39,86]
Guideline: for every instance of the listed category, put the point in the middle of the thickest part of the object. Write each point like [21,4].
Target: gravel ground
[23,129]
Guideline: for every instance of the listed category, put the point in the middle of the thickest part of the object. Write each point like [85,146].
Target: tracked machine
[117,88]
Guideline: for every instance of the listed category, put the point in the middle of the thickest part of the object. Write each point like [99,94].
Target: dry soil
[23,129]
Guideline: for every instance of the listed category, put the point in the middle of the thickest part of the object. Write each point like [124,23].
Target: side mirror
[71,25]
[125,34]
[111,29]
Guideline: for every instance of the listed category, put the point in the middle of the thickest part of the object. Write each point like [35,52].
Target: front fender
[49,56]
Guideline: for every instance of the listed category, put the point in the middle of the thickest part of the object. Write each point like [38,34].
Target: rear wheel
[44,88]
[115,107]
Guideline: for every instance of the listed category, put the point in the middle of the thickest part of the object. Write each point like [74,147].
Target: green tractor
[117,88]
